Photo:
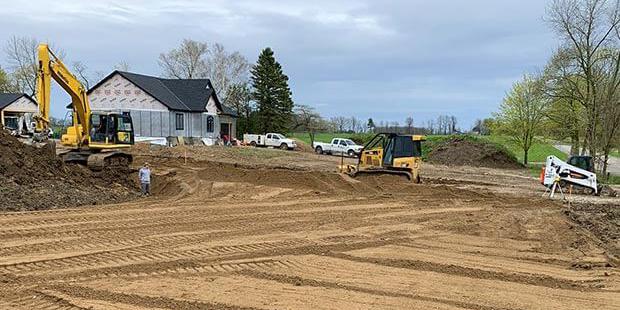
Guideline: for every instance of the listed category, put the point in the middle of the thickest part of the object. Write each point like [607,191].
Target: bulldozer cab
[390,153]
[110,130]
[389,150]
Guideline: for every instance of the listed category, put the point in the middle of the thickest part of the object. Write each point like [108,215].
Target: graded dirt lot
[268,229]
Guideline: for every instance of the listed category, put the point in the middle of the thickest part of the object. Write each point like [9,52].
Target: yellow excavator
[94,138]
[390,153]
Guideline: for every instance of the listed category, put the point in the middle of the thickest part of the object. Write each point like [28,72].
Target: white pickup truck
[270,139]
[338,146]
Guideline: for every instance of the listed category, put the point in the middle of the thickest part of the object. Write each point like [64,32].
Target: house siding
[22,105]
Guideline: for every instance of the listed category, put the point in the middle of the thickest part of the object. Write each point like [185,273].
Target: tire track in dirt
[142,301]
[299,281]
[535,280]
[137,255]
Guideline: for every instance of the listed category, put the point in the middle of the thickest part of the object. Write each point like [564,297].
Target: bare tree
[409,124]
[353,124]
[308,119]
[122,66]
[80,71]
[341,122]
[186,61]
[21,55]
[225,69]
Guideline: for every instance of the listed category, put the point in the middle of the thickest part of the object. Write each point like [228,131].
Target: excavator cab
[390,153]
[110,129]
[107,130]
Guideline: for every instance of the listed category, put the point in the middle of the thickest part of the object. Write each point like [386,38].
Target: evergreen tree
[271,93]
[370,125]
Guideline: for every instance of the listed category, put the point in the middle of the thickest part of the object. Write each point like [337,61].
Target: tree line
[576,96]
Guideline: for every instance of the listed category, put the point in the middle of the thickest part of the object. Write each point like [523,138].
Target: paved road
[614,162]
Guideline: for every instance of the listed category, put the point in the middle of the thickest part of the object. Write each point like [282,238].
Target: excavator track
[99,161]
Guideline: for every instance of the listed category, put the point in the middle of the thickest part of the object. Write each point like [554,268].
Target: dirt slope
[34,178]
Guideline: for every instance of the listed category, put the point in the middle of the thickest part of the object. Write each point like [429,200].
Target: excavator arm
[51,67]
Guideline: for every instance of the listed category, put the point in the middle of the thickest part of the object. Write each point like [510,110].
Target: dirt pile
[469,152]
[34,178]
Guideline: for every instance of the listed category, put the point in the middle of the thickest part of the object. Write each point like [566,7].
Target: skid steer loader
[389,153]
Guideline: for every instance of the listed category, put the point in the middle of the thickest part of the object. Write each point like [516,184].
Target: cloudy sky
[380,59]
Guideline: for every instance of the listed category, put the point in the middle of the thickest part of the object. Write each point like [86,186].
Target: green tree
[271,93]
[6,85]
[239,99]
[522,113]
[370,125]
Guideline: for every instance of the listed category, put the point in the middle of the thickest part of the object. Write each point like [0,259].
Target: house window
[179,121]
[209,123]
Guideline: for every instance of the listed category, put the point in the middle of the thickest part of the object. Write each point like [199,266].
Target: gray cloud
[381,59]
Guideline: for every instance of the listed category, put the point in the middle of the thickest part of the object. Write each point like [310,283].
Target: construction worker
[145,179]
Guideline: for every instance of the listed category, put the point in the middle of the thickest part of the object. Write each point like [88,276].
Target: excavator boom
[51,67]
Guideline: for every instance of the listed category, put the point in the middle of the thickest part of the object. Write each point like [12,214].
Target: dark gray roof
[8,98]
[189,95]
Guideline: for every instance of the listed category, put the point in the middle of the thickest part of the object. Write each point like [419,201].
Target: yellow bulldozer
[390,153]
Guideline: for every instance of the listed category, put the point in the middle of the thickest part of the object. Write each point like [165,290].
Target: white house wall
[22,105]
[119,93]
[211,106]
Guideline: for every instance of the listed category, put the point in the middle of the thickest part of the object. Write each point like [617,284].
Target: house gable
[118,93]
[18,103]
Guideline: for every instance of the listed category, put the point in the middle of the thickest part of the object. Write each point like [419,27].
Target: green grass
[615,153]
[538,152]
[613,180]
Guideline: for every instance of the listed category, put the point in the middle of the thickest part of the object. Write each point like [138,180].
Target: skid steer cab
[390,153]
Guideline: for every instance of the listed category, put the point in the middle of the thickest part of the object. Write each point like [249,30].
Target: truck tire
[319,150]
[253,143]
[283,146]
[351,153]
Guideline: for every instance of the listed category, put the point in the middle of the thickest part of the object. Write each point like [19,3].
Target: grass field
[538,153]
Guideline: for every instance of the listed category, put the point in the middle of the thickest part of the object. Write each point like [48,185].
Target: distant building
[163,108]
[15,105]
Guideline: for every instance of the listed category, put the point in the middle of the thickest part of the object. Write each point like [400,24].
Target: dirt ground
[269,229]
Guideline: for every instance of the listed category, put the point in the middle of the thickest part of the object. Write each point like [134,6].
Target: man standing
[145,179]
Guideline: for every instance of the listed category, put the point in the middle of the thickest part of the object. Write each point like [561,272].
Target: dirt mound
[34,178]
[469,152]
